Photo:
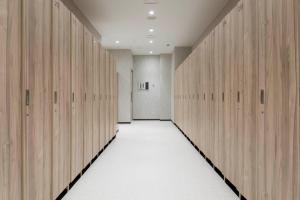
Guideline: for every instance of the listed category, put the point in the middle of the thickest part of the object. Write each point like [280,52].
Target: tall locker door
[111,66]
[216,96]
[296,191]
[198,96]
[102,98]
[239,59]
[10,100]
[201,92]
[234,94]
[261,139]
[221,102]
[62,97]
[37,99]
[88,104]
[212,97]
[250,97]
[77,98]
[227,101]
[107,86]
[96,109]
[194,97]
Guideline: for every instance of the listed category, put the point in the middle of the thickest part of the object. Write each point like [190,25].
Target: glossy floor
[150,160]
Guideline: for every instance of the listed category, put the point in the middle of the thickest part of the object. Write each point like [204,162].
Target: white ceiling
[178,22]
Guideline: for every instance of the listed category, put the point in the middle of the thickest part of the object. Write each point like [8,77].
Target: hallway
[150,160]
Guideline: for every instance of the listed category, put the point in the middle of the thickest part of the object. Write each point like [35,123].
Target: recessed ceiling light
[151,41]
[151,52]
[151,12]
[151,30]
[117,42]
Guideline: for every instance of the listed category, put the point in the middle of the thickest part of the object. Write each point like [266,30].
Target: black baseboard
[165,120]
[65,191]
[219,172]
[124,122]
[146,119]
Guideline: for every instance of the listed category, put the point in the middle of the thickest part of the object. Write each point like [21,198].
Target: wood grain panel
[88,82]
[62,101]
[296,182]
[239,31]
[77,98]
[102,98]
[10,103]
[96,109]
[36,116]
[250,97]
[221,130]
[107,103]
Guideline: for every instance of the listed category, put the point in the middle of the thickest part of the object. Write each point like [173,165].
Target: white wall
[124,66]
[178,56]
[156,102]
[165,86]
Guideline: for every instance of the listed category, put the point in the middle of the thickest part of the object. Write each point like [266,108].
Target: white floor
[150,160]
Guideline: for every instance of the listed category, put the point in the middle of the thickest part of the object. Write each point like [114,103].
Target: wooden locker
[111,112]
[107,86]
[10,100]
[234,94]
[37,93]
[227,98]
[221,129]
[88,104]
[216,96]
[102,98]
[77,98]
[201,94]
[96,109]
[261,139]
[250,97]
[296,191]
[212,96]
[62,97]
[239,59]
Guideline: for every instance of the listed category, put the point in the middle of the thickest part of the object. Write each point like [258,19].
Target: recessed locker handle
[55,97]
[262,96]
[73,97]
[223,96]
[27,99]
[238,97]
[212,96]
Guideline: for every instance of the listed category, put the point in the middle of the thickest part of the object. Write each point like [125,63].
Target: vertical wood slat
[36,126]
[10,101]
[88,83]
[77,98]
[102,98]
[62,102]
[96,110]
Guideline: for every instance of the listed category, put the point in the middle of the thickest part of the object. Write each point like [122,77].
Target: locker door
[10,100]
[111,68]
[296,191]
[250,97]
[62,97]
[227,99]
[96,109]
[212,96]
[88,107]
[216,96]
[102,98]
[107,86]
[77,98]
[221,130]
[234,94]
[37,109]
[239,32]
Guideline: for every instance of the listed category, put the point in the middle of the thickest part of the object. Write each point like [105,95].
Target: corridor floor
[150,160]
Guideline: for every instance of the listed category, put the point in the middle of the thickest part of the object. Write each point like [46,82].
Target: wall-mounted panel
[88,96]
[36,46]
[62,101]
[77,136]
